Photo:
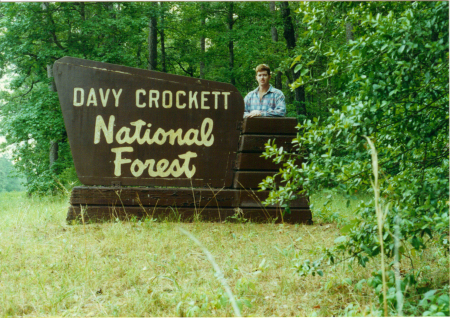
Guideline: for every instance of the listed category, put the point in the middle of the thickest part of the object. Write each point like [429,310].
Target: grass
[49,268]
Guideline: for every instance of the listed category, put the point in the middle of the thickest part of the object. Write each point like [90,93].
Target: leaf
[347,228]
[393,92]
[296,60]
[340,239]
[262,263]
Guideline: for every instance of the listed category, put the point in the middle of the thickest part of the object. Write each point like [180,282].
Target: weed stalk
[82,210]
[196,213]
[216,267]
[399,294]
[380,217]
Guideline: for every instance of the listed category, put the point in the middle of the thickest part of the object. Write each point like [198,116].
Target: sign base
[100,204]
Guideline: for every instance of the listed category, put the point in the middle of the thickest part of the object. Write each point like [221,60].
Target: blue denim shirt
[272,103]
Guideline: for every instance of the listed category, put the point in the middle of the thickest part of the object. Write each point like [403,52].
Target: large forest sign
[129,126]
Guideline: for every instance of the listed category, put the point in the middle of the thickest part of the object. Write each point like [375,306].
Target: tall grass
[50,268]
[380,219]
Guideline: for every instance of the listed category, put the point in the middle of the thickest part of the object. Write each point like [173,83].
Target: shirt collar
[270,90]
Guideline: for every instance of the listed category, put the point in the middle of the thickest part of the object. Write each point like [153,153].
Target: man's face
[263,78]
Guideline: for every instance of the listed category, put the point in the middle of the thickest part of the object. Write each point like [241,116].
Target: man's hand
[254,113]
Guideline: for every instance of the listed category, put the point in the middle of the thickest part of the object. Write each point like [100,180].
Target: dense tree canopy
[214,40]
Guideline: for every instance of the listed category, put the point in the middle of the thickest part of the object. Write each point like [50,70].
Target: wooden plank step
[105,213]
[249,179]
[270,125]
[254,161]
[255,143]
[151,197]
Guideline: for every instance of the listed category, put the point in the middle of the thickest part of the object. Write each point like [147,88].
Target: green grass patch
[49,268]
[330,206]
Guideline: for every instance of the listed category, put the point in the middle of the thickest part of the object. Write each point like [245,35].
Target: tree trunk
[274,34]
[54,147]
[202,62]
[273,30]
[153,39]
[161,34]
[289,35]
[53,153]
[51,85]
[110,8]
[230,42]
[202,44]
[288,32]
[82,11]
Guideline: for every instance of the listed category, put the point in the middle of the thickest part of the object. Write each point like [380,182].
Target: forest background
[211,40]
[348,70]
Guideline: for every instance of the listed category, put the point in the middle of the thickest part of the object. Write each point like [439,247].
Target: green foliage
[435,303]
[391,84]
[34,35]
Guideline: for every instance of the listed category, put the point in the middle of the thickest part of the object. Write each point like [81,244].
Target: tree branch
[20,96]
[181,66]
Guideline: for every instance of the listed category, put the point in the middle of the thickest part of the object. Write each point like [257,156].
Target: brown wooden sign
[129,126]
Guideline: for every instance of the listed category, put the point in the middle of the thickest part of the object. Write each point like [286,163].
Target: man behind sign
[265,100]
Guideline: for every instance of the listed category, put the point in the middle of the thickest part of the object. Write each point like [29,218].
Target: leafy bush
[393,84]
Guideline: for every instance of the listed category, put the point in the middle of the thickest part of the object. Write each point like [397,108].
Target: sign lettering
[152,129]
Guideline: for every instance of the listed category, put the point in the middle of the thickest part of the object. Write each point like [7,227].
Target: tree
[392,83]
[213,40]
[34,36]
[289,35]
[274,34]
[153,39]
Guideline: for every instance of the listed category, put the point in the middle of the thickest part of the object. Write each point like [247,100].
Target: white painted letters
[107,132]
[119,161]
[216,99]
[152,99]
[204,100]
[193,98]
[155,98]
[144,134]
[104,98]
[180,106]
[124,136]
[92,99]
[78,102]
[163,167]
[116,96]
[138,92]
[166,94]
[225,99]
